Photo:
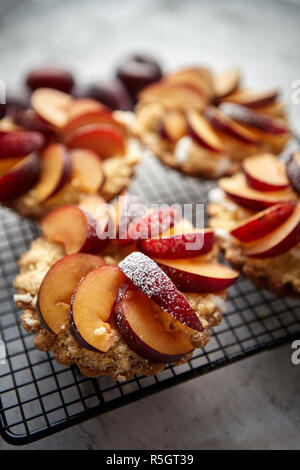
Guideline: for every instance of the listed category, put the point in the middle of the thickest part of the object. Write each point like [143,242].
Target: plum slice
[152,281]
[151,225]
[75,229]
[237,189]
[255,119]
[91,306]
[178,246]
[94,116]
[20,177]
[105,140]
[278,242]
[265,172]
[87,171]
[28,119]
[226,125]
[173,126]
[194,275]
[80,106]
[198,78]
[52,105]
[253,99]
[180,96]
[21,143]
[142,332]
[58,285]
[56,171]
[7,163]
[226,82]
[202,132]
[264,222]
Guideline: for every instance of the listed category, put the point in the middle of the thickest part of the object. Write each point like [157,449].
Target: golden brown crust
[118,172]
[280,274]
[120,362]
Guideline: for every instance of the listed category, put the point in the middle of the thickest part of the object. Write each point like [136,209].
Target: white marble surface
[252,404]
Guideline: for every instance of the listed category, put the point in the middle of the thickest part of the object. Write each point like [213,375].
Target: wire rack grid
[40,397]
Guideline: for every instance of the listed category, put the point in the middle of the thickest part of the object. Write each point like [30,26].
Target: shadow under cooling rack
[40,397]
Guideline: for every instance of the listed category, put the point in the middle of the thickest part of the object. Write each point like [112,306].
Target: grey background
[254,404]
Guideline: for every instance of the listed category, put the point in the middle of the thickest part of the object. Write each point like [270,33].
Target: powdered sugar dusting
[153,282]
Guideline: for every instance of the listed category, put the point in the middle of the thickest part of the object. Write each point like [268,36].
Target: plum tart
[62,149]
[205,125]
[123,305]
[256,218]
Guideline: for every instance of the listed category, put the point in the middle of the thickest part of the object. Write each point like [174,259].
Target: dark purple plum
[137,72]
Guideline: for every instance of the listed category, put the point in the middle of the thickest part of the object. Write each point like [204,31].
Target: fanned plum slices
[228,126]
[21,143]
[265,172]
[185,245]
[264,222]
[255,119]
[194,275]
[142,332]
[88,317]
[75,229]
[58,285]
[278,242]
[152,281]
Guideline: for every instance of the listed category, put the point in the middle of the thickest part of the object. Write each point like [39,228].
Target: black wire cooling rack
[40,397]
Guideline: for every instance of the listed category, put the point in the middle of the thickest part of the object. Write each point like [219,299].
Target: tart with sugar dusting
[121,305]
[63,149]
[256,218]
[204,124]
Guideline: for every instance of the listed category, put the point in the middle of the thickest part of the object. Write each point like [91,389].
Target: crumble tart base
[280,274]
[118,172]
[120,362]
[198,161]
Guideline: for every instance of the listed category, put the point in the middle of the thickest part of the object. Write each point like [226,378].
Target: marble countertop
[251,404]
